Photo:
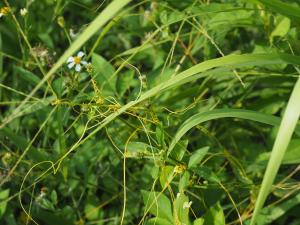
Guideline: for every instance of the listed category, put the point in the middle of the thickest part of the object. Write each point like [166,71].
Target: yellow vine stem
[22,184]
[124,175]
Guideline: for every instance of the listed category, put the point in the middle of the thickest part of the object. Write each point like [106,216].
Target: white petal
[80,54]
[70,59]
[71,65]
[83,62]
[78,67]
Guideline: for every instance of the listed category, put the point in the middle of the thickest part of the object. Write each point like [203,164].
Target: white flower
[187,204]
[76,61]
[72,34]
[23,12]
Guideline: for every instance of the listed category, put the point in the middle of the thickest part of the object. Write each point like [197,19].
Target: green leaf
[184,182]
[292,155]
[139,149]
[28,76]
[197,156]
[166,175]
[125,81]
[214,216]
[53,197]
[46,39]
[22,143]
[158,204]
[46,204]
[199,221]
[181,214]
[282,28]
[103,75]
[91,212]
[158,221]
[206,173]
[179,150]
[3,196]
[58,86]
[64,216]
[274,212]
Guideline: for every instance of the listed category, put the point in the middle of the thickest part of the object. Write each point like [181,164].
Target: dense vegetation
[149,112]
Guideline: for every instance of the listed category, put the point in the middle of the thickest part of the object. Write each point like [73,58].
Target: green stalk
[284,135]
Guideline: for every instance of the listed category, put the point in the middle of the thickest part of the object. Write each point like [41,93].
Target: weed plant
[149,112]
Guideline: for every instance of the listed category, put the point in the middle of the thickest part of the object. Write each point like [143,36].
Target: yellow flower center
[179,168]
[77,60]
[5,10]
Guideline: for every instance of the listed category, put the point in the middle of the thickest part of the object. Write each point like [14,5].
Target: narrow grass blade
[283,8]
[284,135]
[222,113]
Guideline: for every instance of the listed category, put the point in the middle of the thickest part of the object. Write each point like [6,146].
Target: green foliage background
[172,121]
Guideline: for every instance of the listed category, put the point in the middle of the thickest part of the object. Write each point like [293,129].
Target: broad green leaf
[91,212]
[103,75]
[166,174]
[197,156]
[65,216]
[184,181]
[179,150]
[139,149]
[46,39]
[155,77]
[199,221]
[281,29]
[269,214]
[158,221]
[22,143]
[158,204]
[181,213]
[53,197]
[125,81]
[206,173]
[292,155]
[261,49]
[45,203]
[214,215]
[29,77]
[58,86]
[3,196]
